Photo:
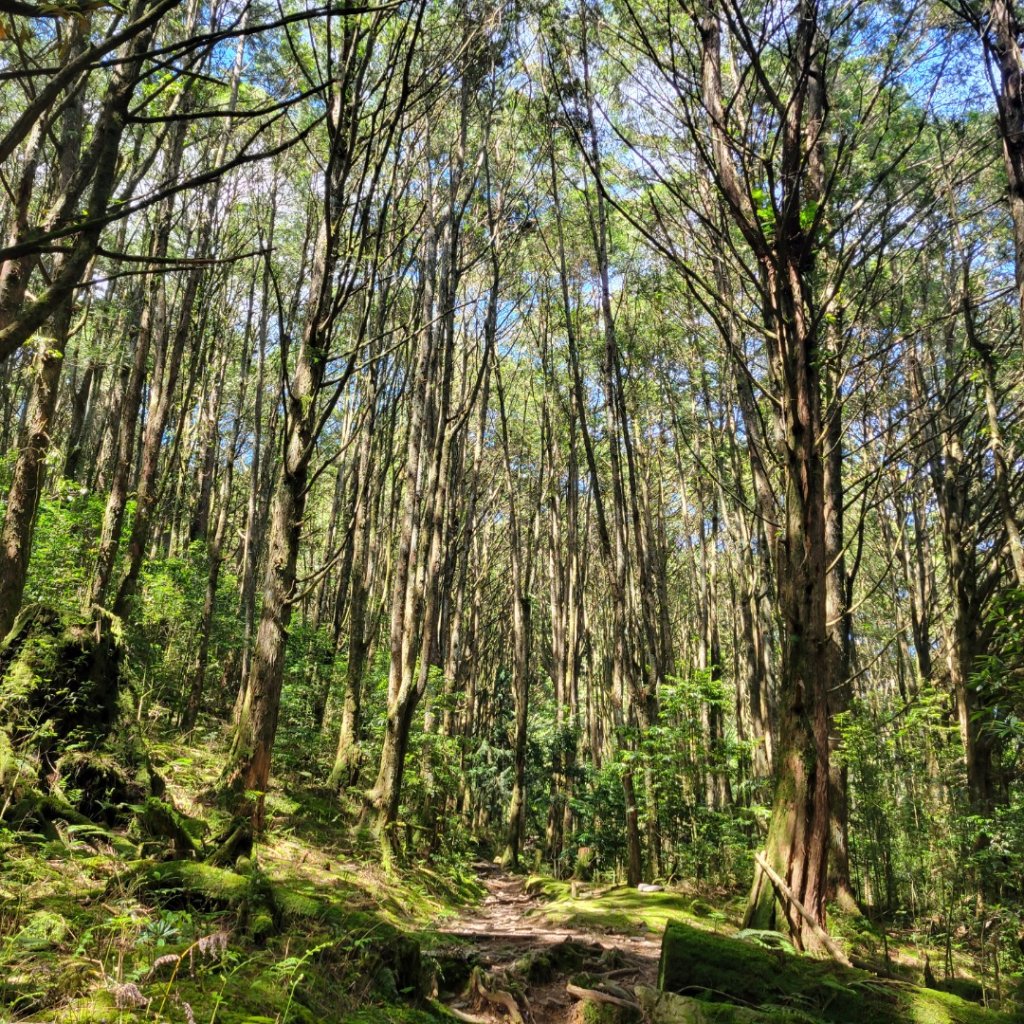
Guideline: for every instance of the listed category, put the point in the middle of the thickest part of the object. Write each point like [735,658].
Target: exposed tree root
[497,997]
[596,995]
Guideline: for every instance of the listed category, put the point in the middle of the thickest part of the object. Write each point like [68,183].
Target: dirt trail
[507,934]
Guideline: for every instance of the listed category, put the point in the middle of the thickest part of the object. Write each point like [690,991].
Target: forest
[511,511]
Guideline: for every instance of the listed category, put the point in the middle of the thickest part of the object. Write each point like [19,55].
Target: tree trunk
[26,484]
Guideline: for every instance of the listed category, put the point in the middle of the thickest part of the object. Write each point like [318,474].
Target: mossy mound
[669,1008]
[193,883]
[61,755]
[620,909]
[65,674]
[391,959]
[43,930]
[778,985]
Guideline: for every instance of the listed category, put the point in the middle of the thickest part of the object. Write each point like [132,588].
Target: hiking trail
[506,960]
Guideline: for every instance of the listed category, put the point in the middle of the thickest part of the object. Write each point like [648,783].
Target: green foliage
[67,532]
[711,845]
[899,832]
[599,807]
[312,675]
[999,678]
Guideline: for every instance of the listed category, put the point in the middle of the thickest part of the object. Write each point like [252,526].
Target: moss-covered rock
[713,968]
[535,967]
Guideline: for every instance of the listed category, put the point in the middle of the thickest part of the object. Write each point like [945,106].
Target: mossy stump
[67,674]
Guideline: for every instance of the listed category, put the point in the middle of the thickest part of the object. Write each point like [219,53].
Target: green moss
[605,1013]
[384,985]
[621,909]
[292,906]
[194,882]
[965,988]
[95,1008]
[161,820]
[261,926]
[695,962]
[535,967]
[230,998]
[542,885]
[43,930]
[669,1008]
[8,760]
[715,968]
[398,1015]
[927,1006]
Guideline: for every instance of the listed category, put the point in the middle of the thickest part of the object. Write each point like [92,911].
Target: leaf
[808,214]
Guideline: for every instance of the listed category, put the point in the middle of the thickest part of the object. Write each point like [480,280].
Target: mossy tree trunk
[797,845]
[798,840]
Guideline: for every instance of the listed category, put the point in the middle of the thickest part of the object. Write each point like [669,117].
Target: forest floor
[511,935]
[102,923]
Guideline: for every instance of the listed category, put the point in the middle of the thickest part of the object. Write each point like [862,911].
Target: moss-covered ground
[95,927]
[103,926]
[719,973]
[621,909]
